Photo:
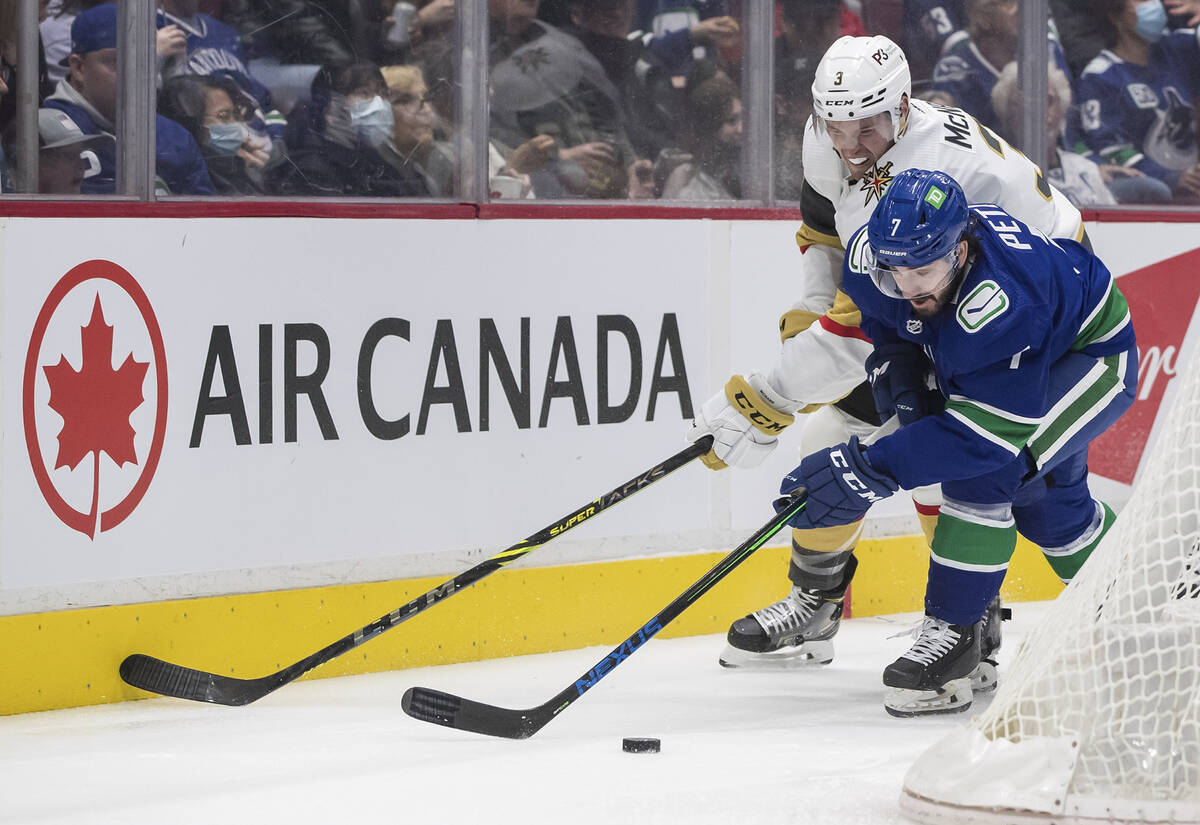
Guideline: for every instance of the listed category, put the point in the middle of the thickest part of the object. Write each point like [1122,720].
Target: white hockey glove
[745,420]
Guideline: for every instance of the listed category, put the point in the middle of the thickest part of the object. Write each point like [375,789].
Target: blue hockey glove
[897,375]
[841,486]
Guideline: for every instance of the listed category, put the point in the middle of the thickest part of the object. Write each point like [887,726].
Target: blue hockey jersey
[967,76]
[928,24]
[1024,302]
[177,159]
[214,48]
[1141,116]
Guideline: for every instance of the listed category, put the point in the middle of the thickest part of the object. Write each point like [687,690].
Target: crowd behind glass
[585,99]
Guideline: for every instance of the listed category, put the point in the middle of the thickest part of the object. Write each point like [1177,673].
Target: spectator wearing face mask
[215,111]
[1137,95]
[89,97]
[412,147]
[334,148]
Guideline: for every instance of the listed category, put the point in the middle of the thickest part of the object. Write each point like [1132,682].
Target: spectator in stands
[544,82]
[794,74]
[1077,177]
[320,32]
[973,59]
[928,24]
[89,96]
[65,153]
[807,28]
[191,42]
[680,32]
[412,145]
[430,32]
[334,148]
[1083,32]
[711,171]
[216,113]
[638,66]
[1187,11]
[1138,94]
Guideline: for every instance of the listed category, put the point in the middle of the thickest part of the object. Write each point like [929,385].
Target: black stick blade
[452,711]
[157,676]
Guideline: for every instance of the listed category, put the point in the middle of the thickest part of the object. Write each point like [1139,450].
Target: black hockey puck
[638,744]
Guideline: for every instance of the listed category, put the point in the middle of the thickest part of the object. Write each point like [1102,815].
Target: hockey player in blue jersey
[1032,348]
[1136,96]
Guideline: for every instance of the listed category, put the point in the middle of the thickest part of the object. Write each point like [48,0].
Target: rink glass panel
[484,103]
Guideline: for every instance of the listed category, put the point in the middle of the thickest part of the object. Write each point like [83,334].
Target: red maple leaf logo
[95,402]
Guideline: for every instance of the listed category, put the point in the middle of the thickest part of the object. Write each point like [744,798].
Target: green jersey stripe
[1102,383]
[1108,316]
[998,429]
[966,545]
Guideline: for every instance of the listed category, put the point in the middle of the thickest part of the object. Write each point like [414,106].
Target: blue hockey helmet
[920,219]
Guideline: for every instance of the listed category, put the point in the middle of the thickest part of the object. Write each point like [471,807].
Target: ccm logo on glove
[838,459]
[749,409]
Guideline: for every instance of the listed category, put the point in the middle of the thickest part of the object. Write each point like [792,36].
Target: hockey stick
[157,676]
[465,714]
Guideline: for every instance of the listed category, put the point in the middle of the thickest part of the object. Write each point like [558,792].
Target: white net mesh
[1098,717]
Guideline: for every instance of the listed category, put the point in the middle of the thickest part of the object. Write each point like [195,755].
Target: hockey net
[1097,720]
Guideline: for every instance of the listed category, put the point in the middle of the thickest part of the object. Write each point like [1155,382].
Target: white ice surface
[812,747]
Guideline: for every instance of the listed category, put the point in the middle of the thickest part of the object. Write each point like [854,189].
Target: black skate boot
[985,677]
[794,632]
[934,675]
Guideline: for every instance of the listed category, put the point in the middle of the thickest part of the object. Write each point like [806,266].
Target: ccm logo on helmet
[839,102]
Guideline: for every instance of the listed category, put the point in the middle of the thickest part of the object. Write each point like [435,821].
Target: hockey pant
[819,555]
[1043,493]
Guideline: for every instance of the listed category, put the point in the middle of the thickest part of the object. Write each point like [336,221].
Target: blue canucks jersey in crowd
[1142,116]
[177,160]
[928,24]
[1024,303]
[966,75]
[214,48]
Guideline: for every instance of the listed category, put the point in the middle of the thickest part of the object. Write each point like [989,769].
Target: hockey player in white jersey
[865,130]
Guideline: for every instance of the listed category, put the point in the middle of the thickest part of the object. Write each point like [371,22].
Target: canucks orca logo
[875,182]
[1169,141]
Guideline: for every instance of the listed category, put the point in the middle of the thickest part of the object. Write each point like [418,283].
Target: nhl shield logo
[914,326]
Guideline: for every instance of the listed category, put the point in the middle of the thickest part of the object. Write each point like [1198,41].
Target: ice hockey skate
[794,632]
[985,677]
[934,676]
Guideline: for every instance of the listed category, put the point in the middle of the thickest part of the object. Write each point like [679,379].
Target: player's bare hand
[170,41]
[1188,7]
[722,32]
[596,158]
[532,155]
[1110,172]
[435,13]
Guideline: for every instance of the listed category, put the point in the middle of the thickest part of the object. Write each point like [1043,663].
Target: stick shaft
[158,676]
[454,711]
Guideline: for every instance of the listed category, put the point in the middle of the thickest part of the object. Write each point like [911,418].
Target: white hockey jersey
[823,350]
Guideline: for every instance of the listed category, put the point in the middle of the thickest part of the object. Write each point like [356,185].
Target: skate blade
[985,678]
[953,697]
[809,654]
